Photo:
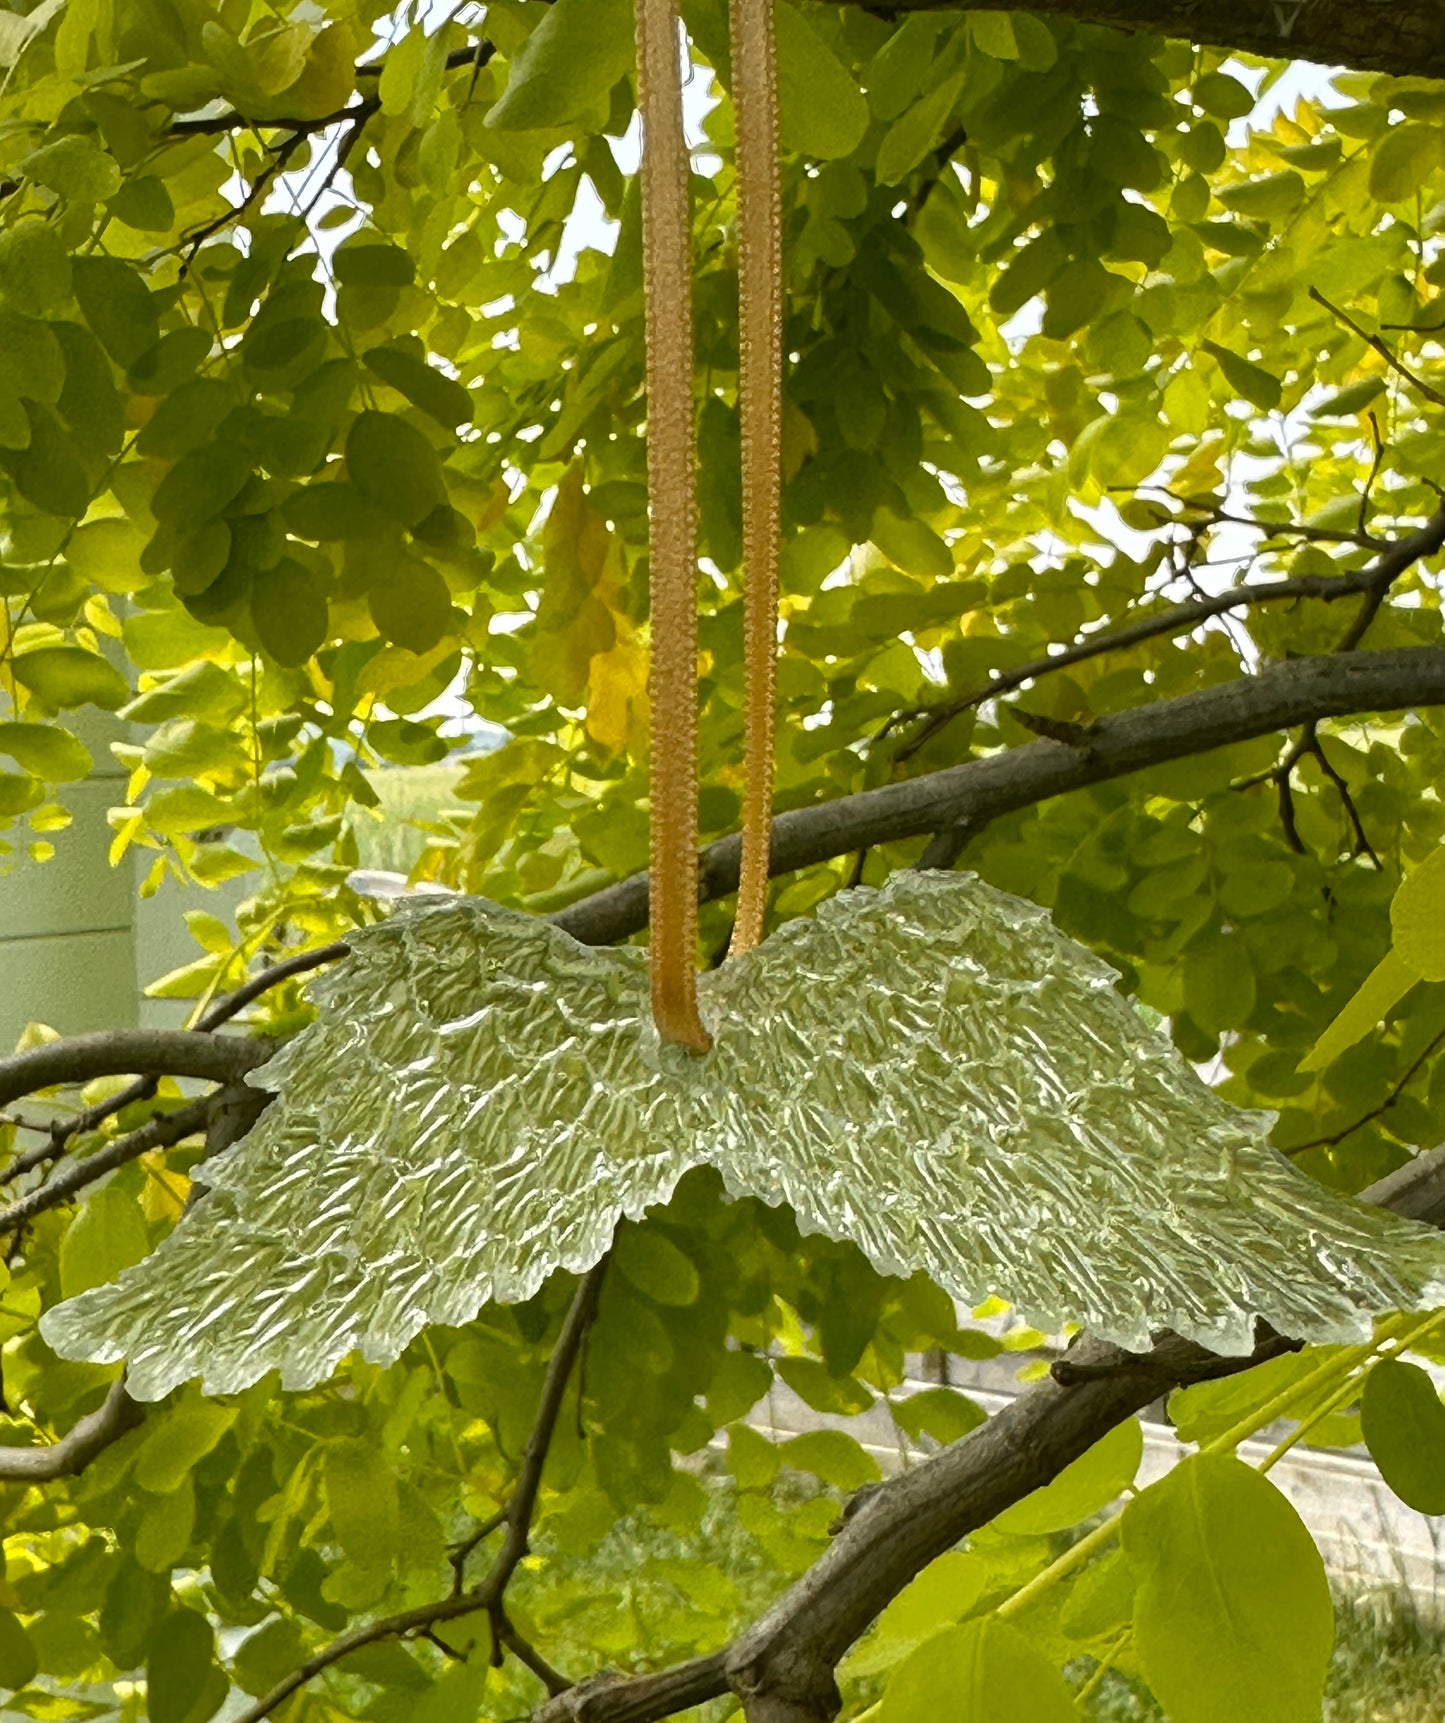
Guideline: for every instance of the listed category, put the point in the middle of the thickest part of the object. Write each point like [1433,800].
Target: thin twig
[162,1132]
[489,1595]
[459,1554]
[304,961]
[1374,474]
[1381,347]
[508,1639]
[257,189]
[1183,618]
[1363,846]
[1411,1072]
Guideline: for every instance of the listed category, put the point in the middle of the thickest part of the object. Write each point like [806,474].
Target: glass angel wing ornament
[931,1070]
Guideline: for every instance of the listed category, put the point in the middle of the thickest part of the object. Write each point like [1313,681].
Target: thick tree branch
[1403,37]
[74,1451]
[116,1052]
[782,1667]
[1303,691]
[61,1130]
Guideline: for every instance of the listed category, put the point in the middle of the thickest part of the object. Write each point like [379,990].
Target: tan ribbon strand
[760,392]
[672,487]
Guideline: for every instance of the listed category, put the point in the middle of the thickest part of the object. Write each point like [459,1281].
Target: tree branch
[74,1451]
[489,1596]
[782,1667]
[116,1052]
[1184,618]
[62,1130]
[1404,37]
[1278,698]
[161,1132]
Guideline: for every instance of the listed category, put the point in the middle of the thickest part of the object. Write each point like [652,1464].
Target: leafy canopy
[312,412]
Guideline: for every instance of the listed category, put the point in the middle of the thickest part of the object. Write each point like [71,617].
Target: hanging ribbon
[760,391]
[672,486]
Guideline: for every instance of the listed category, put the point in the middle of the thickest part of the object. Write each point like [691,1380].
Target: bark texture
[1403,37]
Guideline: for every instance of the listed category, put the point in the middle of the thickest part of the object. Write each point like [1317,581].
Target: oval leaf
[1233,1616]
[1403,1423]
[986,1671]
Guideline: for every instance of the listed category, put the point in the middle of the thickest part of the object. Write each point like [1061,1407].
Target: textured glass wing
[931,1070]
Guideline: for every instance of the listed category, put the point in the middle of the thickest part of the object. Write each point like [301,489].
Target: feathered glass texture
[932,1070]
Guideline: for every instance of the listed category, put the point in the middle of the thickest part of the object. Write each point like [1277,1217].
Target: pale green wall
[67,942]
[77,947]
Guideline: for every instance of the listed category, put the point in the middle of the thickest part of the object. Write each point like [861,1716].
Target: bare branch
[1403,37]
[303,962]
[74,1451]
[162,1132]
[489,1596]
[116,1052]
[62,1129]
[1373,581]
[1280,697]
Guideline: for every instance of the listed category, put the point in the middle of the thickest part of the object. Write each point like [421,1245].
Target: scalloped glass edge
[930,1070]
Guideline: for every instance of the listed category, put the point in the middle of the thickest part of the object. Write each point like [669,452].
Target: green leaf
[289,611]
[1101,1600]
[183,1684]
[1417,918]
[1377,995]
[145,205]
[752,1459]
[990,1673]
[1251,381]
[73,168]
[422,384]
[1403,160]
[942,1413]
[268,1656]
[34,267]
[655,1266]
[1233,1616]
[45,751]
[412,604]
[993,34]
[567,65]
[910,138]
[366,263]
[108,1234]
[1090,1483]
[362,1499]
[18,1661]
[178,1439]
[19,792]
[822,111]
[117,305]
[49,472]
[167,1524]
[394,467]
[946,1590]
[832,1455]
[1223,96]
[71,676]
[910,545]
[1403,1423]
